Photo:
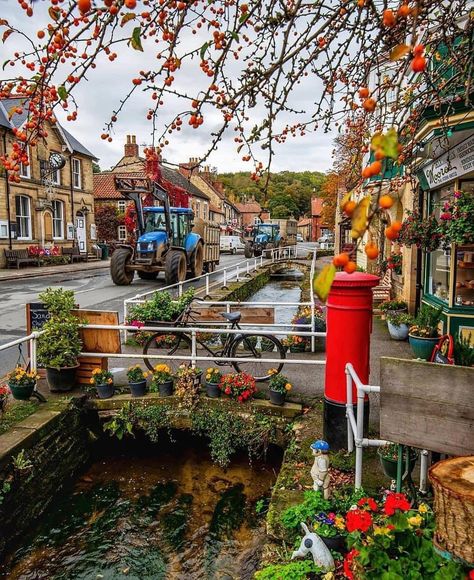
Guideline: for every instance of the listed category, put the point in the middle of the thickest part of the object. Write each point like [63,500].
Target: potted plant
[21,383]
[456,223]
[104,383]
[423,334]
[162,381]
[160,309]
[392,307]
[278,387]
[388,456]
[136,381]
[4,392]
[267,345]
[398,325]
[463,351]
[331,527]
[424,233]
[240,386]
[60,344]
[187,384]
[296,343]
[213,378]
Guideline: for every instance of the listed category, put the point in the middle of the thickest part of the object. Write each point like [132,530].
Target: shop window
[439,261]
[23,217]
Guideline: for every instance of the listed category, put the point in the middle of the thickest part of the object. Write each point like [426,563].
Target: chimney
[131,147]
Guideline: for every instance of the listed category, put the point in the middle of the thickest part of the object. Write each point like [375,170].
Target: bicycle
[235,346]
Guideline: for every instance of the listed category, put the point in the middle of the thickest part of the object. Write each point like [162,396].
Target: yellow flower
[381,531]
[339,523]
[288,386]
[91,381]
[96,371]
[423,508]
[415,521]
[328,576]
[110,381]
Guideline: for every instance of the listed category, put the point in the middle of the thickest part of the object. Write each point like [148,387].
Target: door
[81,232]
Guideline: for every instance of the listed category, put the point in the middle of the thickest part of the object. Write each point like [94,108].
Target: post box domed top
[355,280]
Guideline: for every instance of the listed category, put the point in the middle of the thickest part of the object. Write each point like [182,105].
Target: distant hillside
[289,192]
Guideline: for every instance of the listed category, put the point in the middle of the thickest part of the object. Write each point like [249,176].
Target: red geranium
[367,502]
[349,562]
[357,519]
[396,501]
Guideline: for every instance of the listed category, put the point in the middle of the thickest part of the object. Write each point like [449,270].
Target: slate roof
[17,120]
[176,178]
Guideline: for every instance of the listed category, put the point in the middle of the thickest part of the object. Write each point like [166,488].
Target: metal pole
[225,279]
[180,289]
[193,349]
[237,273]
[255,264]
[313,338]
[207,284]
[33,360]
[423,470]
[359,437]
[248,269]
[399,468]
[350,434]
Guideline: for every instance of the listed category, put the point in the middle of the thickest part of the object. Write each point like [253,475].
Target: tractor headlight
[150,247]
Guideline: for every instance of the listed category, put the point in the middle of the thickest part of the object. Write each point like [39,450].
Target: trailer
[288,230]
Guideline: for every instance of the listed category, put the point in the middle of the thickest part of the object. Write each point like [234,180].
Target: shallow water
[280,291]
[146,511]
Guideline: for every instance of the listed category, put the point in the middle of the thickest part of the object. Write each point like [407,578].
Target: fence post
[193,349]
[248,269]
[180,288]
[255,264]
[33,356]
[313,338]
[237,273]
[225,279]
[207,285]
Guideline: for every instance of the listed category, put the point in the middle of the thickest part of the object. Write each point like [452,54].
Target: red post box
[349,324]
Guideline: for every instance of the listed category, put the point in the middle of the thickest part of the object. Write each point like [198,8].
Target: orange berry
[349,207]
[369,104]
[375,167]
[371,250]
[418,64]
[386,201]
[397,226]
[419,49]
[350,267]
[367,172]
[341,260]
[379,155]
[131,4]
[404,11]
[390,233]
[388,18]
[363,92]
[84,5]
[40,34]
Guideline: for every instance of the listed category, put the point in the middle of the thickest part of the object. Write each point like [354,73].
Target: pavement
[36,272]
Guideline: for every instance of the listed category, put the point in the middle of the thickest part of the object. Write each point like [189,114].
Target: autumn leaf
[53,13]
[359,218]
[136,40]
[3,22]
[322,282]
[6,34]
[399,51]
[387,143]
[345,199]
[129,16]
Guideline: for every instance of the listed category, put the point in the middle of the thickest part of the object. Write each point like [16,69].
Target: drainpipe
[71,187]
[419,258]
[7,190]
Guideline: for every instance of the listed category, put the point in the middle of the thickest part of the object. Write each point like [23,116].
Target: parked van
[232,244]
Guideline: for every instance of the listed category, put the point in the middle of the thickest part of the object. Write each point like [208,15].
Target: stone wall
[55,444]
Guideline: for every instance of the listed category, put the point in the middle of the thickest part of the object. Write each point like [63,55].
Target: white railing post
[255,264]
[423,470]
[313,338]
[359,437]
[180,288]
[33,356]
[248,269]
[207,285]
[193,349]
[237,273]
[261,260]
[225,279]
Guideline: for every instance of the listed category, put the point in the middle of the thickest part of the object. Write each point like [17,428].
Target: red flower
[358,520]
[396,501]
[471,575]
[227,391]
[367,502]
[348,563]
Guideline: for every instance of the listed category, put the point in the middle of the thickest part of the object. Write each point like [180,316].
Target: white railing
[355,428]
[31,340]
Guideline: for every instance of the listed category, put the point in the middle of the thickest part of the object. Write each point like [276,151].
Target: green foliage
[60,344]
[135,374]
[161,307]
[456,223]
[463,351]
[16,412]
[21,461]
[312,504]
[426,322]
[398,318]
[301,570]
[279,383]
[121,424]
[4,489]
[283,206]
[393,305]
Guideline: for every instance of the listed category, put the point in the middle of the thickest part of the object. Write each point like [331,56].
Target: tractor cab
[155,225]
[266,234]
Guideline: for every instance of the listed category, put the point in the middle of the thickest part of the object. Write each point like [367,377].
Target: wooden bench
[17,257]
[74,254]
[383,290]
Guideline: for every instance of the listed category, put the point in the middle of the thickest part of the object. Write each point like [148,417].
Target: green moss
[16,412]
[302,570]
[342,460]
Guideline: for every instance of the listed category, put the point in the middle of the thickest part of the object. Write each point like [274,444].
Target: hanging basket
[453,486]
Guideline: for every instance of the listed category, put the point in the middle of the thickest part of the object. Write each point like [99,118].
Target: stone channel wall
[55,444]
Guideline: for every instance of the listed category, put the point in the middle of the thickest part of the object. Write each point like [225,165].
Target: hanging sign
[456,162]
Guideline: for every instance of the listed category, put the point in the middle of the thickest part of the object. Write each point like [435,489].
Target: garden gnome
[320,469]
[311,542]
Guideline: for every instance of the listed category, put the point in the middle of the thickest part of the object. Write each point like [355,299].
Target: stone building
[42,211]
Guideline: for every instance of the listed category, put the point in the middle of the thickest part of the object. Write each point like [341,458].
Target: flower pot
[396,311]
[197,379]
[212,390]
[21,393]
[422,347]
[105,391]
[61,380]
[389,465]
[165,389]
[138,389]
[337,543]
[298,347]
[399,332]
[277,398]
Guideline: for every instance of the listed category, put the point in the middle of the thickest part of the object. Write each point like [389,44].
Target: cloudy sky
[109,82]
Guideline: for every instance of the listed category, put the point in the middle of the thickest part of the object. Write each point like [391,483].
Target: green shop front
[448,272]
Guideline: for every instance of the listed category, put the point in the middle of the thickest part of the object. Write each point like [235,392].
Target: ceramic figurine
[311,542]
[320,469]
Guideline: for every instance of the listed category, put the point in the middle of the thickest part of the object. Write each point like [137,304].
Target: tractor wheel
[147,275]
[175,267]
[248,251]
[118,262]
[197,261]
[258,252]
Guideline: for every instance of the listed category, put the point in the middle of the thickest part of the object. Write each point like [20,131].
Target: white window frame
[122,205]
[198,209]
[26,216]
[205,211]
[256,220]
[58,220]
[121,233]
[25,170]
[4,229]
[93,232]
[76,173]
[56,177]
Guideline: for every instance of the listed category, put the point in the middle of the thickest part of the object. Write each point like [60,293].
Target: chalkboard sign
[36,316]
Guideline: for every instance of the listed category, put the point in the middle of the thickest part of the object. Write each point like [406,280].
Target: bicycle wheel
[167,343]
[257,346]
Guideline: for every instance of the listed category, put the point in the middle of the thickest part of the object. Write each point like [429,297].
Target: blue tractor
[264,237]
[166,241]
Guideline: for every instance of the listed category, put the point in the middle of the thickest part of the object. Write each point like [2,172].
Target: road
[93,289]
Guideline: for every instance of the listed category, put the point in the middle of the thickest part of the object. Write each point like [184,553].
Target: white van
[232,244]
